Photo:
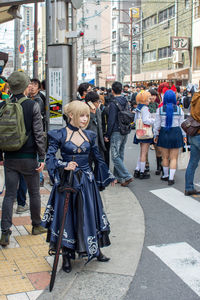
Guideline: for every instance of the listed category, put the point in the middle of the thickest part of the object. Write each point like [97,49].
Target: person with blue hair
[168,134]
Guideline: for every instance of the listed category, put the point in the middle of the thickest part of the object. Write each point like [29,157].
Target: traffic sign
[21,48]
[84,74]
[135,12]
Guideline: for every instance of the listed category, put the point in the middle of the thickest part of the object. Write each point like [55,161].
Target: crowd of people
[92,135]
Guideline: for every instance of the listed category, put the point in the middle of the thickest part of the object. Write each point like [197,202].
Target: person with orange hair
[142,111]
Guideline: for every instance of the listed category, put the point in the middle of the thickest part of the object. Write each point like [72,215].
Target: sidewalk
[25,265]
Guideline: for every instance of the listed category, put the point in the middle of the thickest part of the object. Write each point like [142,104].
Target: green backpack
[12,127]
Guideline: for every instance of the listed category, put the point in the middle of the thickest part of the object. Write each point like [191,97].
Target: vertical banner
[55,96]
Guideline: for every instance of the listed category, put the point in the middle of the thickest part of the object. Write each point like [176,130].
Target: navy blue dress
[86,226]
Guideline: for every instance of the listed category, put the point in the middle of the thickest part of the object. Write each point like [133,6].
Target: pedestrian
[34,94]
[168,134]
[117,140]
[86,227]
[194,148]
[142,111]
[83,89]
[24,161]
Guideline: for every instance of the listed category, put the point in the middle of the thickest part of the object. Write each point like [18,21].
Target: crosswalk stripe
[187,205]
[183,260]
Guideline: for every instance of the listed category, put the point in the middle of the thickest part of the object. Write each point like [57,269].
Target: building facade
[196,43]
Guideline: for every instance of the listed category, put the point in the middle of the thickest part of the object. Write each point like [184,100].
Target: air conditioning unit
[177,57]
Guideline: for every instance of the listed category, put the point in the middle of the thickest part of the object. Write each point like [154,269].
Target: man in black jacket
[24,161]
[117,140]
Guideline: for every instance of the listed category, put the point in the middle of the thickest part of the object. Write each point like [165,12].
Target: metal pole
[35,52]
[118,47]
[74,55]
[16,43]
[83,43]
[131,77]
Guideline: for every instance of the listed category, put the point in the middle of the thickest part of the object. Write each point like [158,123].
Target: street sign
[84,75]
[135,12]
[21,48]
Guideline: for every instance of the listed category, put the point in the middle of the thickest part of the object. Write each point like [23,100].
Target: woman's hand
[40,168]
[114,182]
[71,166]
[155,140]
[185,140]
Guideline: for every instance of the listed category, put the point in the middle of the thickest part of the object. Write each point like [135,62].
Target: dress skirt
[138,141]
[170,139]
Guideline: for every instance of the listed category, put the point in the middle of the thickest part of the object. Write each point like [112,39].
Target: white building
[196,43]
[89,22]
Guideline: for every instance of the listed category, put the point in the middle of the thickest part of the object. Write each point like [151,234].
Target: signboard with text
[55,96]
[180,43]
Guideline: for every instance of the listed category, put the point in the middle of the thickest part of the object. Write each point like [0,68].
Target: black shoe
[159,166]
[5,238]
[147,169]
[157,172]
[171,182]
[144,175]
[136,174]
[66,265]
[164,178]
[192,192]
[102,257]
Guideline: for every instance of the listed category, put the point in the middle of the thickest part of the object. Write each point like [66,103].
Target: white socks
[171,174]
[142,166]
[166,172]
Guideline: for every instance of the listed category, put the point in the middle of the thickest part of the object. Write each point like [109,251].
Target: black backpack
[125,118]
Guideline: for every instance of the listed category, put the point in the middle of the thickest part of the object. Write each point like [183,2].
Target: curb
[97,281]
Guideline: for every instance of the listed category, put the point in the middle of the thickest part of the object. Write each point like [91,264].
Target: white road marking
[183,260]
[187,205]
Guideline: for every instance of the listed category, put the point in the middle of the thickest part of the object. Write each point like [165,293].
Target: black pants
[13,169]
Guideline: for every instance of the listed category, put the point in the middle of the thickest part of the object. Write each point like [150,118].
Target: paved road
[169,268]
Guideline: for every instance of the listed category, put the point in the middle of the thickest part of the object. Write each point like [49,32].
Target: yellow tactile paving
[2,257]
[18,253]
[29,229]
[41,250]
[8,269]
[15,284]
[42,210]
[38,264]
[30,240]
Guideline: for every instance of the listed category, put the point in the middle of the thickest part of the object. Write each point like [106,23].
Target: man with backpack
[117,134]
[20,152]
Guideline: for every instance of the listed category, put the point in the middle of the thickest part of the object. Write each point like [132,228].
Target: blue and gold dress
[86,225]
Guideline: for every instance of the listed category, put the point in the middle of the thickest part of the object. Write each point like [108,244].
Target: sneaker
[5,238]
[21,209]
[38,230]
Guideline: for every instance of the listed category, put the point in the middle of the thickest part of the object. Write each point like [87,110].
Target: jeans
[117,145]
[193,163]
[21,192]
[13,169]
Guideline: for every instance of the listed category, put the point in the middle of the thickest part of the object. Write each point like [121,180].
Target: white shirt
[145,115]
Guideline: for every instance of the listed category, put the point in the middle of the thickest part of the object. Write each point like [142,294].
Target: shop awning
[179,74]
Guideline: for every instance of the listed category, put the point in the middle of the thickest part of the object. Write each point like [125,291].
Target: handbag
[183,159]
[143,131]
[190,126]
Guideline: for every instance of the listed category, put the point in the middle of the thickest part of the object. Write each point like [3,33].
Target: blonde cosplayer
[77,108]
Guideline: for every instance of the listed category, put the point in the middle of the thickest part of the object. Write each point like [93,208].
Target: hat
[142,97]
[18,82]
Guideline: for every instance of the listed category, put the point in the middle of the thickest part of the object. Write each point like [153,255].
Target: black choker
[70,126]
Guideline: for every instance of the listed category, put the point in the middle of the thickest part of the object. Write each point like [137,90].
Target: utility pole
[131,57]
[74,55]
[118,46]
[35,52]
[83,43]
[16,43]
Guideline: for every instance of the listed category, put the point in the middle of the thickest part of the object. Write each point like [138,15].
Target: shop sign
[180,43]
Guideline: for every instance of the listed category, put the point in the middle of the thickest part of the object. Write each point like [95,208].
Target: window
[196,65]
[150,21]
[114,35]
[197,9]
[187,4]
[149,56]
[166,14]
[164,52]
[114,58]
